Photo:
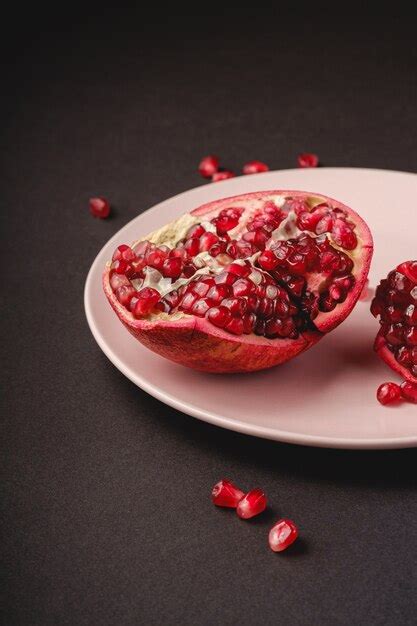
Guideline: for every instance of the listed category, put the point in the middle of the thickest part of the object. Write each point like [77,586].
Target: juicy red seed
[282,535]
[267,260]
[249,321]
[218,292]
[253,503]
[265,307]
[172,267]
[99,207]
[260,327]
[388,393]
[324,225]
[200,307]
[243,287]
[201,288]
[188,301]
[147,298]
[404,356]
[208,166]
[207,240]
[224,175]
[218,248]
[239,270]
[125,293]
[255,167]
[237,306]
[181,253]
[192,247]
[118,280]
[189,270]
[235,326]
[225,493]
[219,316]
[123,252]
[409,392]
[225,223]
[156,258]
[409,269]
[296,263]
[343,235]
[121,267]
[225,278]
[195,231]
[307,159]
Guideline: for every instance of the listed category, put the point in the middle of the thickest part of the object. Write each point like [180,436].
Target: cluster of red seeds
[391,393]
[268,296]
[395,303]
[226,494]
[209,167]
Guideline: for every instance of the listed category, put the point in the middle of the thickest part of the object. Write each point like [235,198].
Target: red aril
[246,283]
[282,535]
[395,303]
[388,393]
[225,493]
[223,175]
[409,392]
[307,159]
[253,503]
[99,207]
[208,166]
[255,167]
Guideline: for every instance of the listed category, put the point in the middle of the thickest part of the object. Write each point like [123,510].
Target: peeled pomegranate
[395,303]
[242,283]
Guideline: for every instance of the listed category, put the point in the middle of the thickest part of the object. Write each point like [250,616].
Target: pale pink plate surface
[325,397]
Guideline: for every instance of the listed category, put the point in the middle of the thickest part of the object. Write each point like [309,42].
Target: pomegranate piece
[388,393]
[395,304]
[223,175]
[282,535]
[225,493]
[255,167]
[307,159]
[99,207]
[253,503]
[409,392]
[233,286]
[208,166]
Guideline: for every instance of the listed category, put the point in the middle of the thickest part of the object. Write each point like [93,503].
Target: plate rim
[263,432]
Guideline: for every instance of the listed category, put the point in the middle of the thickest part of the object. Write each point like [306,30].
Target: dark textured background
[106,516]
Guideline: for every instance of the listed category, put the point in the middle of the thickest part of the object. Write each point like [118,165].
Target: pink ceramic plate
[325,397]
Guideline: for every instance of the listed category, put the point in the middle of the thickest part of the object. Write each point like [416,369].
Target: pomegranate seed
[282,535]
[267,260]
[235,326]
[225,278]
[195,231]
[118,280]
[253,503]
[409,392]
[411,315]
[208,166]
[200,307]
[307,159]
[249,321]
[147,298]
[388,393]
[192,247]
[218,292]
[156,258]
[171,268]
[219,316]
[410,336]
[224,175]
[125,293]
[225,223]
[207,240]
[404,356]
[255,167]
[343,235]
[188,301]
[243,287]
[201,287]
[225,493]
[124,253]
[189,270]
[121,267]
[99,207]
[237,306]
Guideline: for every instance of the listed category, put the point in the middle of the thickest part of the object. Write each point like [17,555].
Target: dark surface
[106,515]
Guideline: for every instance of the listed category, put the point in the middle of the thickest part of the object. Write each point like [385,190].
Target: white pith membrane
[395,304]
[331,286]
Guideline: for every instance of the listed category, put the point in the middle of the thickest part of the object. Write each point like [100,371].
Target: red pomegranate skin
[194,342]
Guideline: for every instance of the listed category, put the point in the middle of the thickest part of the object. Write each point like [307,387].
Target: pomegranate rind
[383,351]
[196,343]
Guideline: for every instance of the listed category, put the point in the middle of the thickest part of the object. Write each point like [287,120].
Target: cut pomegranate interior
[242,283]
[395,303]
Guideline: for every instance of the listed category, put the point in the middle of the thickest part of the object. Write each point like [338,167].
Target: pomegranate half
[242,283]
[395,304]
